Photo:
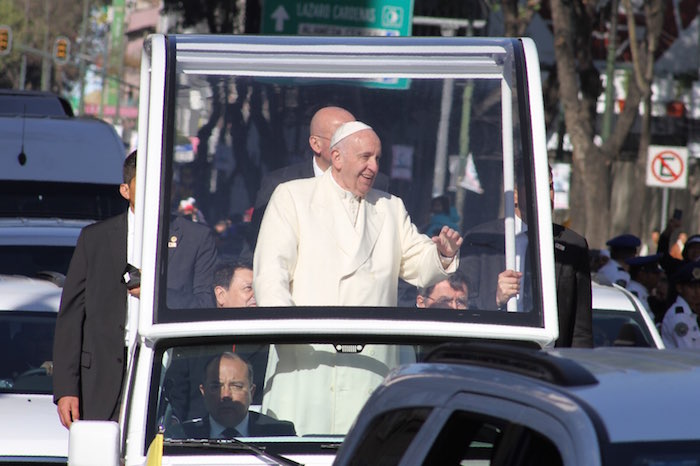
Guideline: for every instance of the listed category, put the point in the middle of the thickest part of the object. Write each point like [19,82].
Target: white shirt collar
[318,171]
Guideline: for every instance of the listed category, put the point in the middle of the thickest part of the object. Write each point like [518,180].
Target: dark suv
[483,404]
[33,103]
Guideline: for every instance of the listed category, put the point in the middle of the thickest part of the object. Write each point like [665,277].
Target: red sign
[667,166]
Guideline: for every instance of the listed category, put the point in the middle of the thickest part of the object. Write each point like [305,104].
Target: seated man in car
[450,293]
[227,390]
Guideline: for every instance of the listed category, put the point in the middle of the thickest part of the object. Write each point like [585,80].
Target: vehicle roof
[20,293]
[62,149]
[35,103]
[40,231]
[610,297]
[639,394]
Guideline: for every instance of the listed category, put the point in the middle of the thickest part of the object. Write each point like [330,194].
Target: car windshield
[620,328]
[41,199]
[207,388]
[28,337]
[34,261]
[234,123]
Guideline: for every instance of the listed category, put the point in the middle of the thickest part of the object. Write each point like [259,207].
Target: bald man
[323,124]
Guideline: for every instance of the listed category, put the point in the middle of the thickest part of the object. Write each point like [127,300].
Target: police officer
[679,328]
[621,248]
[644,275]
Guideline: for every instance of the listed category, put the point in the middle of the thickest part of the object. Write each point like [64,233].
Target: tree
[575,83]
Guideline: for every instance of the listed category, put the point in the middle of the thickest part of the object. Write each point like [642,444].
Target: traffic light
[61,50]
[5,39]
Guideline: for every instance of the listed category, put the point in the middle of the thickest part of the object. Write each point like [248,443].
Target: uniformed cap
[626,241]
[649,263]
[688,273]
[347,129]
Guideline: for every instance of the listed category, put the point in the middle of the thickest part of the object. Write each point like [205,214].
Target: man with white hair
[340,242]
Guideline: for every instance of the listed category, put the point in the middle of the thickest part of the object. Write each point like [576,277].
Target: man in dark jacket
[227,390]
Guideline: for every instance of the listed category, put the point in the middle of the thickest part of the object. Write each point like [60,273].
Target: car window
[192,387]
[31,261]
[620,328]
[389,436]
[28,336]
[470,439]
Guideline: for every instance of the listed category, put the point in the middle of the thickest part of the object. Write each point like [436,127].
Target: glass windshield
[243,388]
[245,175]
[32,261]
[28,338]
[42,199]
[620,328]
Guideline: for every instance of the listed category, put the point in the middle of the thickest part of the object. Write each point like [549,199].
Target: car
[478,403]
[490,89]
[31,432]
[38,246]
[619,319]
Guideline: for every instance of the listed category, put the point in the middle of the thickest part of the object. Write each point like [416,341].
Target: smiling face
[356,161]
[227,390]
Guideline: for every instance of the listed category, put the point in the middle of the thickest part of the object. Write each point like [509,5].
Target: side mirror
[93,442]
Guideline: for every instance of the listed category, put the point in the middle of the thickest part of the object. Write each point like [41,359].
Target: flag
[154,456]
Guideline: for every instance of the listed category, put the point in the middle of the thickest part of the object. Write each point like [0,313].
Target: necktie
[230,432]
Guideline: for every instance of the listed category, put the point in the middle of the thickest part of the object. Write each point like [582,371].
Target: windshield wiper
[231,444]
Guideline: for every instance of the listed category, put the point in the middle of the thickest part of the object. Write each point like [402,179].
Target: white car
[31,432]
[619,319]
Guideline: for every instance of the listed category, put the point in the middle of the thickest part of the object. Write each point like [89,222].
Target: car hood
[31,427]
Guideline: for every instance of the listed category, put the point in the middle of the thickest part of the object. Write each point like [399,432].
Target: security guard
[679,328]
[621,248]
[644,275]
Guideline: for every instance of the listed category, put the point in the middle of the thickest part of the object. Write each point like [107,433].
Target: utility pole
[610,74]
[23,68]
[81,58]
[46,62]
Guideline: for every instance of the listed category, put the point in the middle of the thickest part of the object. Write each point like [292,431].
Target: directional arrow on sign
[280,15]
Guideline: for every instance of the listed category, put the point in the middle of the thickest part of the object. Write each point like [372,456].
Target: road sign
[667,166]
[338,17]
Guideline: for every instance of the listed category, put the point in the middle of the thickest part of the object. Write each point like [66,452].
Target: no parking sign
[667,166]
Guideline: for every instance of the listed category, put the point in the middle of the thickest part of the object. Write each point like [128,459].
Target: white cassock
[309,253]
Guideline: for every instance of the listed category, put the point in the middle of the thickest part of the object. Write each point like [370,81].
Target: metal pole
[664,207]
[83,36]
[46,62]
[23,68]
[609,75]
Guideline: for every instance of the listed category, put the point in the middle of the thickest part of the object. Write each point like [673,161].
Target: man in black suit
[323,124]
[491,286]
[227,390]
[93,332]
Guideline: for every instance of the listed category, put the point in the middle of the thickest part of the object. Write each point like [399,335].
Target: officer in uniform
[679,328]
[644,275]
[621,248]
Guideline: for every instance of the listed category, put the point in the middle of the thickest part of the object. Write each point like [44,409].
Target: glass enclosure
[455,146]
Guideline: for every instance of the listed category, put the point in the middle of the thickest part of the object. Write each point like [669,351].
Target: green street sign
[338,18]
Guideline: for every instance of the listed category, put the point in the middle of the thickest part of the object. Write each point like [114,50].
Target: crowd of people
[667,283]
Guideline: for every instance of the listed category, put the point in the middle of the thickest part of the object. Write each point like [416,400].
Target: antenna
[22,157]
